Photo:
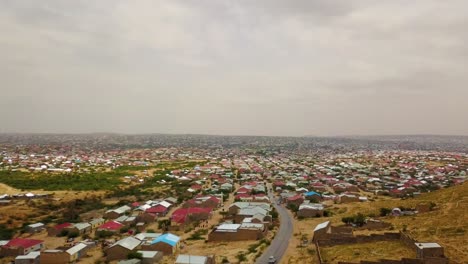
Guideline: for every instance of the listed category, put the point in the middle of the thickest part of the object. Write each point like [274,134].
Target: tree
[385,211]
[360,219]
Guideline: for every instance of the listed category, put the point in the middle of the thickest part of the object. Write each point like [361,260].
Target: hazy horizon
[267,67]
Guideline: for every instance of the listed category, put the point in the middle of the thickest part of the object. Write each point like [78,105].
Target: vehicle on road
[271,260]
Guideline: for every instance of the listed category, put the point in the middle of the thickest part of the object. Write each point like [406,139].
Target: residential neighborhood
[174,204]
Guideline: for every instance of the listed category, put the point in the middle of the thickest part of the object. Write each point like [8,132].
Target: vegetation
[6,233]
[358,219]
[385,211]
[198,235]
[53,182]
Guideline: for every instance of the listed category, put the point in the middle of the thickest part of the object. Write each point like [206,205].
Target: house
[21,246]
[57,229]
[30,258]
[59,256]
[310,210]
[203,202]
[349,198]
[79,228]
[183,216]
[321,231]
[313,195]
[296,200]
[237,232]
[226,186]
[126,220]
[114,213]
[429,250]
[120,249]
[237,206]
[150,257]
[158,210]
[76,252]
[34,228]
[166,243]
[111,226]
[147,217]
[192,259]
[97,222]
[252,212]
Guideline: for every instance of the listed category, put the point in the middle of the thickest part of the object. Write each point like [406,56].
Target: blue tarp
[167,238]
[311,193]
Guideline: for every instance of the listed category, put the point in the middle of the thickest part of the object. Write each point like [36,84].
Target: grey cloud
[234,67]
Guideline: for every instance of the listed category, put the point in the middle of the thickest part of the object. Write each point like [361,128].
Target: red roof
[156,209]
[111,225]
[135,204]
[243,190]
[180,214]
[62,226]
[22,243]
[295,197]
[242,195]
[196,186]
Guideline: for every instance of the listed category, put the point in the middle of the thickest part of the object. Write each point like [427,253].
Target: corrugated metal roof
[75,249]
[128,242]
[189,259]
[321,225]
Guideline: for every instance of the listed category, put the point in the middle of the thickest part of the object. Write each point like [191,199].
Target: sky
[242,67]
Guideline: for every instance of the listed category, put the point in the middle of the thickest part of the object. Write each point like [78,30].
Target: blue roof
[166,238]
[311,193]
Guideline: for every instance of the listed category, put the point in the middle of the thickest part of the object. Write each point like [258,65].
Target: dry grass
[366,251]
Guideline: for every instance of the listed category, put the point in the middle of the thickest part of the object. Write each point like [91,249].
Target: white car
[271,260]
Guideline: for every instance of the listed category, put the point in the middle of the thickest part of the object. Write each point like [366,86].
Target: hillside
[446,225]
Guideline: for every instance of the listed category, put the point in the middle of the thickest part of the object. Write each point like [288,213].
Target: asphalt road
[280,243]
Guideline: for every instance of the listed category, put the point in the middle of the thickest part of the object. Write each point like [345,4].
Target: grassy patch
[367,251]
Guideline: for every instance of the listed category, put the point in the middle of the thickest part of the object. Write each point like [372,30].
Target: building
[310,210]
[425,250]
[97,222]
[114,213]
[166,243]
[321,231]
[59,256]
[238,232]
[34,228]
[111,226]
[30,258]
[192,259]
[120,249]
[58,229]
[79,228]
[21,246]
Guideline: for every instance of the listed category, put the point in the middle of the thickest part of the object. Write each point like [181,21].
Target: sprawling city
[218,199]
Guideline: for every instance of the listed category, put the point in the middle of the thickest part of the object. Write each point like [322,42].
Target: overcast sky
[263,67]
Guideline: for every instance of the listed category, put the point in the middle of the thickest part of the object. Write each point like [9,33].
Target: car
[271,260]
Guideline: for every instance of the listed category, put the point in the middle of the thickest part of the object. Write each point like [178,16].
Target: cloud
[234,67]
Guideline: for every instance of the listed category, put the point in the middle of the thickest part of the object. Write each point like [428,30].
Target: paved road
[280,243]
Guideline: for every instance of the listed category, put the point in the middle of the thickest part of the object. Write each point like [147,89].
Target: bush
[385,211]
[6,233]
[73,234]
